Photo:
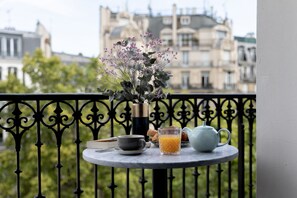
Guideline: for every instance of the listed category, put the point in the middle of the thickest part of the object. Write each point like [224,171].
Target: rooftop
[245,39]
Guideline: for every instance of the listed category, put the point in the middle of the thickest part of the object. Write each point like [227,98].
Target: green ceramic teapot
[205,138]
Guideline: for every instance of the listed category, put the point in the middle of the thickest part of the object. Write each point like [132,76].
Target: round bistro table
[152,159]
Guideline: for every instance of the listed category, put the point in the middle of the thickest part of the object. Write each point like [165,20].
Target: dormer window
[221,34]
[167,20]
[185,20]
[13,47]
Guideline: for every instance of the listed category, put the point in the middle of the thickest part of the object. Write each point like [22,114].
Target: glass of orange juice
[170,140]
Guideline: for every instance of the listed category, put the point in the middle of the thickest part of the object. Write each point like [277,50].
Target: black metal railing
[52,130]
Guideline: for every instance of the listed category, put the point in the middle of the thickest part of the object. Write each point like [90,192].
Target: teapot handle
[229,137]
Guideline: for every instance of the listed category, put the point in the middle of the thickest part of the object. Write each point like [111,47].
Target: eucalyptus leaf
[150,88]
[151,53]
[159,83]
[153,60]
[138,72]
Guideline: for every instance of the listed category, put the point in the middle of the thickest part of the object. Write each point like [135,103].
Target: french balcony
[46,134]
[201,86]
[230,86]
[191,64]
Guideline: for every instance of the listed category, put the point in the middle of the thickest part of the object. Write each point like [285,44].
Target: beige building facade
[247,63]
[207,52]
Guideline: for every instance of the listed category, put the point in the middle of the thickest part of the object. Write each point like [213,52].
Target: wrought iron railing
[53,128]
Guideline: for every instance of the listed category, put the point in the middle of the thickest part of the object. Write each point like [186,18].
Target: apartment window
[241,53]
[252,52]
[244,72]
[166,39]
[205,79]
[252,71]
[226,57]
[15,47]
[195,42]
[221,34]
[205,58]
[8,47]
[229,80]
[185,40]
[185,58]
[185,20]
[185,80]
[167,20]
[12,47]
[12,71]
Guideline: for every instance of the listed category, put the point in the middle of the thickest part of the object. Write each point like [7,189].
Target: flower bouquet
[136,68]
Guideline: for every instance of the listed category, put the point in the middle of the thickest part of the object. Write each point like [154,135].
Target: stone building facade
[14,44]
[207,51]
[247,63]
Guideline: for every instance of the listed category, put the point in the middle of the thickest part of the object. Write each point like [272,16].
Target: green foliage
[138,67]
[47,75]
[12,85]
[50,75]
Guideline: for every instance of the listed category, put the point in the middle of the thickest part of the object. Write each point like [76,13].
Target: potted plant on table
[137,69]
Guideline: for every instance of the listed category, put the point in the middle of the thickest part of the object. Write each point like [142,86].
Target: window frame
[185,58]
[185,20]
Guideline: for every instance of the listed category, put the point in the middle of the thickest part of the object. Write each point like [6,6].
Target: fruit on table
[153,134]
[184,136]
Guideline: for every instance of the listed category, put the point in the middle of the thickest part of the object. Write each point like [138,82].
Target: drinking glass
[170,140]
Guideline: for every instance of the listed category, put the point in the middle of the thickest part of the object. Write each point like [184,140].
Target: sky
[74,24]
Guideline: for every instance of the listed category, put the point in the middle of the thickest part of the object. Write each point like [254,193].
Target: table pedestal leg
[160,183]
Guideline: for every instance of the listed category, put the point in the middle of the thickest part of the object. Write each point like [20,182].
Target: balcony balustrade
[47,127]
[230,86]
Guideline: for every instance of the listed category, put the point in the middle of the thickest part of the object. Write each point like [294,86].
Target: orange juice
[169,144]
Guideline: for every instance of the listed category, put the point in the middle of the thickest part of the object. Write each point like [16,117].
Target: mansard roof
[196,22]
[12,31]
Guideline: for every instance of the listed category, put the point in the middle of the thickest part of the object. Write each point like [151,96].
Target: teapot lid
[204,126]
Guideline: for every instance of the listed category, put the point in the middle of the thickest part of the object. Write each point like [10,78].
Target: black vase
[140,119]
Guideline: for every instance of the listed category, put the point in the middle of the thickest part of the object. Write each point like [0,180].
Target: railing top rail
[88,96]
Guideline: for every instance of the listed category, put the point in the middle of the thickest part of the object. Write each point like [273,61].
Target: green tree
[12,85]
[50,75]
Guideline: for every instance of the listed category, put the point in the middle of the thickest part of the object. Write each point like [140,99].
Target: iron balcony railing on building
[191,64]
[48,132]
[201,86]
[230,86]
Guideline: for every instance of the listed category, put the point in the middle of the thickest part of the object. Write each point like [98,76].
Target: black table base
[160,183]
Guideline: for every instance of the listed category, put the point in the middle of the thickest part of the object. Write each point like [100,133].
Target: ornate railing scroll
[58,126]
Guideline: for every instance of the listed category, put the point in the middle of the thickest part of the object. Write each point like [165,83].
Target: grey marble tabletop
[152,159]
